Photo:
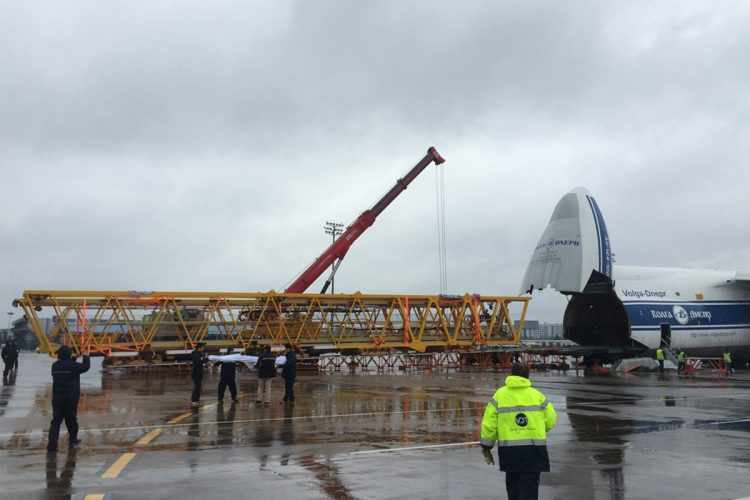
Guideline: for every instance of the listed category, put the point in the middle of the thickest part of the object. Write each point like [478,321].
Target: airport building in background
[534,330]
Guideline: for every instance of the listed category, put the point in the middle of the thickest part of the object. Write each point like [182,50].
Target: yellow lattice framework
[112,321]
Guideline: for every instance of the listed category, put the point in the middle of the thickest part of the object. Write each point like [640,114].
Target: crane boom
[340,247]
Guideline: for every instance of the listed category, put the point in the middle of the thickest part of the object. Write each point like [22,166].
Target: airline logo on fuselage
[680,314]
[639,294]
[555,243]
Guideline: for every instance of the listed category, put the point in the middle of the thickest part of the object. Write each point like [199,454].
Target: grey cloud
[202,146]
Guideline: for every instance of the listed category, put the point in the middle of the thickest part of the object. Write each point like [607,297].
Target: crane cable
[440,202]
[445,234]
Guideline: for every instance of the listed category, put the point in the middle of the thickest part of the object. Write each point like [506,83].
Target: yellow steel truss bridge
[122,321]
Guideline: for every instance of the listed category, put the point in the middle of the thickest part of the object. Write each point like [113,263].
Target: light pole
[334,229]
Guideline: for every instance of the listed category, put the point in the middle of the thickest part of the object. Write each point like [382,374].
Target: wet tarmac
[372,436]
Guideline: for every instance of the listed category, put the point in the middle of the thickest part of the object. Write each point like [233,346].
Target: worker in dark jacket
[10,358]
[16,353]
[228,373]
[266,366]
[198,359]
[289,374]
[65,372]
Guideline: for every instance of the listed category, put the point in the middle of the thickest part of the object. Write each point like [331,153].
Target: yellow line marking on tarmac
[117,467]
[179,418]
[147,438]
[182,417]
[94,496]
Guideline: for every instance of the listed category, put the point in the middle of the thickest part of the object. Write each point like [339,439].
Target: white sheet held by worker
[249,361]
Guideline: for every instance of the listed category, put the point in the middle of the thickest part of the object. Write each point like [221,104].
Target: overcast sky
[202,145]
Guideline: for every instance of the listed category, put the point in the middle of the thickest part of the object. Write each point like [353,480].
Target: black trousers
[197,383]
[11,364]
[223,384]
[522,485]
[289,389]
[63,408]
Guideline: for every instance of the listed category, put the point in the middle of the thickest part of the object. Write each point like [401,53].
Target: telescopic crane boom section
[340,247]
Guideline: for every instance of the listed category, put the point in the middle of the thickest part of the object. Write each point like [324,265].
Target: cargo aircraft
[701,311]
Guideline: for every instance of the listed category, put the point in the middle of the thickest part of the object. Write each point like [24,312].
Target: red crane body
[338,248]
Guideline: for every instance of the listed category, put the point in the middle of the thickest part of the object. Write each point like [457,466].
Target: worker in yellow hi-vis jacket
[518,418]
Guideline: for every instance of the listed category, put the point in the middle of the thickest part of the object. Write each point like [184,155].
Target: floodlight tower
[334,229]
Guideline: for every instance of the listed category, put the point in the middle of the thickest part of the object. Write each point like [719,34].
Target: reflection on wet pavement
[225,430]
[60,487]
[6,394]
[617,438]
[327,474]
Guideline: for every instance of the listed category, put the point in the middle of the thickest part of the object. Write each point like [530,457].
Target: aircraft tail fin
[573,248]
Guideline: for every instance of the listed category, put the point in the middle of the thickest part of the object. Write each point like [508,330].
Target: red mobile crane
[335,253]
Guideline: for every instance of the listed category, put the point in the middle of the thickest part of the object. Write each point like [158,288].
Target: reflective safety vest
[681,356]
[727,357]
[659,355]
[518,418]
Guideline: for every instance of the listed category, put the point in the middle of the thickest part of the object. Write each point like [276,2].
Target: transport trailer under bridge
[111,321]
